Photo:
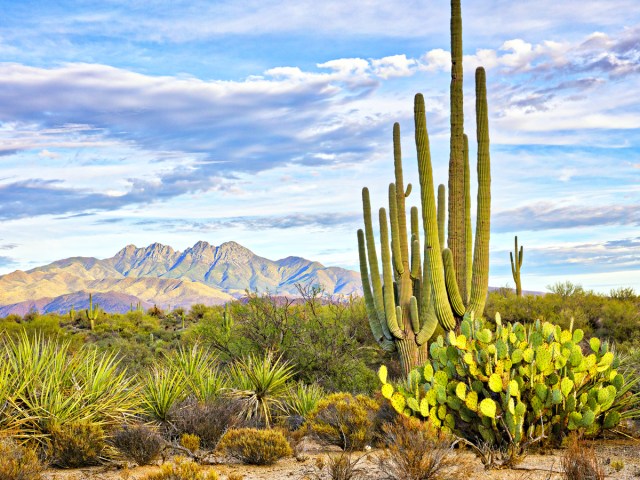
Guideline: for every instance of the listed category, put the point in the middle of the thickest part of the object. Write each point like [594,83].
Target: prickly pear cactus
[514,384]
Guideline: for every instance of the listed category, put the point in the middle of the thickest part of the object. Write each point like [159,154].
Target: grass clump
[182,469]
[17,462]
[580,462]
[345,420]
[415,451]
[190,441]
[138,443]
[255,447]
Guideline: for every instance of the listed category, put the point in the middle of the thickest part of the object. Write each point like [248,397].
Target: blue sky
[260,121]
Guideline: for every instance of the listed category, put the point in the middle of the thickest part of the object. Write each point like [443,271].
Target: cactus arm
[456,231]
[442,214]
[515,266]
[376,284]
[408,190]
[389,300]
[468,233]
[400,196]
[452,286]
[374,322]
[480,285]
[416,267]
[414,315]
[432,242]
[395,232]
[429,323]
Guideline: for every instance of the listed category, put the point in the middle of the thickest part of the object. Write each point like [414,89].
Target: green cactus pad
[578,335]
[461,390]
[588,417]
[566,385]
[461,342]
[618,381]
[514,388]
[611,420]
[488,408]
[441,377]
[605,362]
[484,335]
[382,374]
[398,402]
[428,372]
[566,336]
[495,383]
[387,391]
[471,401]
[516,356]
[556,396]
[527,355]
[594,343]
[424,407]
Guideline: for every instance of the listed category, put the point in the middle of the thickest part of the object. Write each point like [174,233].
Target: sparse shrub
[77,444]
[208,420]
[255,447]
[415,451]
[617,465]
[17,462]
[138,443]
[345,466]
[235,476]
[190,441]
[182,469]
[345,420]
[580,462]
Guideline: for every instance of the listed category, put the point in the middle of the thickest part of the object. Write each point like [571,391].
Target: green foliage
[138,442]
[514,386]
[17,462]
[162,387]
[42,384]
[182,469]
[303,399]
[255,447]
[260,383]
[345,421]
[76,444]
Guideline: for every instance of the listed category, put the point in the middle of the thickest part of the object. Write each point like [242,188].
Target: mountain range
[159,275]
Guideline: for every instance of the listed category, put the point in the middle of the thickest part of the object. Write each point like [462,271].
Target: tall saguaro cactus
[515,266]
[405,305]
[92,313]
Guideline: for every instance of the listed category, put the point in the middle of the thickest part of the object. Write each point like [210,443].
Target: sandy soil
[533,467]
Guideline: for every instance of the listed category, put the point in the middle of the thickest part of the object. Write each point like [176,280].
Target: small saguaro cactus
[72,313]
[515,267]
[92,312]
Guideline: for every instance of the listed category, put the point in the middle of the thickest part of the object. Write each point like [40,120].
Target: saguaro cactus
[405,306]
[515,266]
[92,313]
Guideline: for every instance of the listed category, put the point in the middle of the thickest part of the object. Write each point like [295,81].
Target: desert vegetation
[426,366]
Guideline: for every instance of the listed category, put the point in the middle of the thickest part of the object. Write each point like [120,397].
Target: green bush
[345,420]
[509,388]
[255,447]
[18,463]
[77,444]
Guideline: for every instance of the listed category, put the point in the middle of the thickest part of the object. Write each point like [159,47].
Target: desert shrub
[345,420]
[17,462]
[580,462]
[209,421]
[508,388]
[416,451]
[303,399]
[76,444]
[344,466]
[162,387]
[190,441]
[260,383]
[139,443]
[182,469]
[255,447]
[199,367]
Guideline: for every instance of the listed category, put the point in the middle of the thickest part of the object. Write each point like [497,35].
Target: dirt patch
[620,458]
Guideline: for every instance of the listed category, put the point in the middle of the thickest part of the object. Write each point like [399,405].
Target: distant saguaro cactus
[92,312]
[515,267]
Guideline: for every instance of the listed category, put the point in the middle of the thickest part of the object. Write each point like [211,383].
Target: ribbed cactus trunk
[515,267]
[457,240]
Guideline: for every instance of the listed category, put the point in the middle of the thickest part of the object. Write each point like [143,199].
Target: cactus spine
[92,313]
[515,267]
[452,283]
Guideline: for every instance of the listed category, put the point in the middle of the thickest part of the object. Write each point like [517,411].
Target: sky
[133,122]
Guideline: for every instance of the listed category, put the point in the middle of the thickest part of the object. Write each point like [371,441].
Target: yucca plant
[262,384]
[162,388]
[199,366]
[42,384]
[303,399]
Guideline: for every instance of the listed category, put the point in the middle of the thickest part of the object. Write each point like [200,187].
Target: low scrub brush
[17,462]
[255,447]
[138,443]
[182,469]
[580,462]
[77,444]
